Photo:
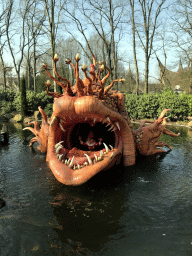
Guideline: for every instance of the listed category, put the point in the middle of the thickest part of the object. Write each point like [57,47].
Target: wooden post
[4,133]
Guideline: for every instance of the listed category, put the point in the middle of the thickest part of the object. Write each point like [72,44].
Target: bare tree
[162,67]
[80,28]
[13,31]
[132,5]
[3,41]
[2,61]
[182,28]
[35,21]
[67,48]
[181,39]
[149,11]
[53,13]
[104,16]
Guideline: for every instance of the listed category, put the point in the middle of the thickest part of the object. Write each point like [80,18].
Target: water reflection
[123,211]
[90,215]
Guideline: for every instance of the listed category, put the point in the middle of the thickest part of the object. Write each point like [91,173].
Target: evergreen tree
[23,97]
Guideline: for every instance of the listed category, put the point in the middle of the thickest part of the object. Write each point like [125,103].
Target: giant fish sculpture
[90,130]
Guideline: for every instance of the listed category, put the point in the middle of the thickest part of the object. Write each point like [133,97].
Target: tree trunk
[146,73]
[134,45]
[34,63]
[4,73]
[4,79]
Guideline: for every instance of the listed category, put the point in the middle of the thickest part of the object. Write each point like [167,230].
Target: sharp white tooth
[107,119]
[58,144]
[60,156]
[95,157]
[78,166]
[108,124]
[112,126]
[101,153]
[71,163]
[53,120]
[62,127]
[74,167]
[117,124]
[89,159]
[111,147]
[66,161]
[99,158]
[114,129]
[58,148]
[94,120]
[107,149]
[111,155]
[85,163]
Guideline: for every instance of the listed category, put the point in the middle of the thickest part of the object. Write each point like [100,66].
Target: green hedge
[143,106]
[138,107]
[10,101]
[6,101]
[151,105]
[34,100]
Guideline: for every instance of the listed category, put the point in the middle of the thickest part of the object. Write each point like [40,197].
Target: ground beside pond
[186,123]
[16,117]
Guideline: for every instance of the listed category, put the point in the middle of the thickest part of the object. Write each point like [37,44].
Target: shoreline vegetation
[139,107]
[16,117]
[187,124]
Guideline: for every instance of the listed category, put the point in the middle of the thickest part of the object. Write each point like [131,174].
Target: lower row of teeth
[70,164]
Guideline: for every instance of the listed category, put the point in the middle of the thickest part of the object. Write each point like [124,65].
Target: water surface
[145,209]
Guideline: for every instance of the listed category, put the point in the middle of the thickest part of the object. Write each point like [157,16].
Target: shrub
[189,101]
[6,107]
[34,100]
[17,102]
[142,106]
[49,109]
[177,103]
[151,105]
[131,104]
[6,100]
[7,96]
[148,105]
[43,99]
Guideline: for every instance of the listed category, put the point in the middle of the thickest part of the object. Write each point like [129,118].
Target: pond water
[145,209]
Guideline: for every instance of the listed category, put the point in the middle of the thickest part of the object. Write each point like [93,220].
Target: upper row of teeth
[107,119]
[69,162]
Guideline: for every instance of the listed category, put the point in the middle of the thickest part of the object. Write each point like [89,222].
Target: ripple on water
[148,208]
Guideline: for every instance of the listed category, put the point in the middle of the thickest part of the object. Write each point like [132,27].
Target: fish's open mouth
[89,129]
[81,142]
[72,156]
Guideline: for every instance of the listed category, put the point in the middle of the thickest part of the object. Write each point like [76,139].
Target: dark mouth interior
[80,142]
[99,132]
